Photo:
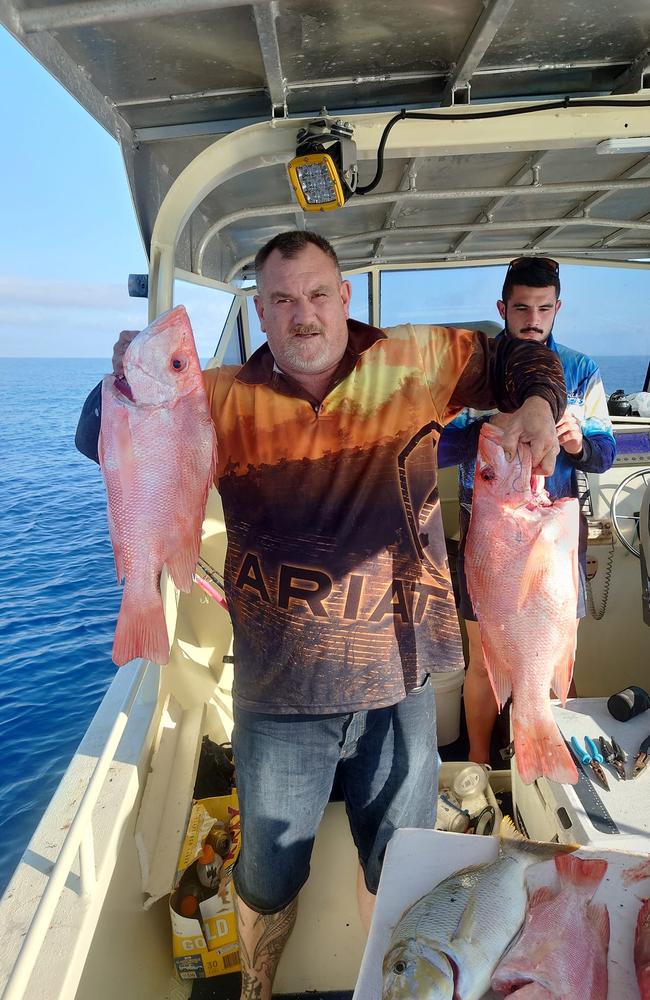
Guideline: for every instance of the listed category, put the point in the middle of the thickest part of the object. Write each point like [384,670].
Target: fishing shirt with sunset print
[336,571]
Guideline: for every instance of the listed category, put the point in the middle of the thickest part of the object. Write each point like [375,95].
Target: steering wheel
[625,525]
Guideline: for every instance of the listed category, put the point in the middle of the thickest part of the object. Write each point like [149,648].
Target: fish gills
[521,562]
[563,947]
[158,453]
[642,950]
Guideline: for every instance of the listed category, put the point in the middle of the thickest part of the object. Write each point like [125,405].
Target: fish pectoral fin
[466,927]
[536,569]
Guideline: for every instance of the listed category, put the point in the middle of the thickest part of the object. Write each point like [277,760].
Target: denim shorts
[285,765]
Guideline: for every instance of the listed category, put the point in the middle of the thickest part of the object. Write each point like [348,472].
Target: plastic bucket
[448,687]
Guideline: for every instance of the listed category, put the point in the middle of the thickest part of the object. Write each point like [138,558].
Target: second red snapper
[521,561]
[157,451]
[561,953]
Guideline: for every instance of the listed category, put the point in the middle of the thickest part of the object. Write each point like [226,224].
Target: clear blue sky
[69,237]
[69,241]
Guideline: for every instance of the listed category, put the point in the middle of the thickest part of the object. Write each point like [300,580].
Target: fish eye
[399,968]
[179,364]
[488,473]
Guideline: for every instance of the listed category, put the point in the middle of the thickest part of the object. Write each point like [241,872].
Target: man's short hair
[533,272]
[290,244]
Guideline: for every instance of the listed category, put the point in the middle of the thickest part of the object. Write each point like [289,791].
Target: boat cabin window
[604,310]
[208,309]
[444,296]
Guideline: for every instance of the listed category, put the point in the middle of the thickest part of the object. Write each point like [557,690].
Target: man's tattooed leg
[262,937]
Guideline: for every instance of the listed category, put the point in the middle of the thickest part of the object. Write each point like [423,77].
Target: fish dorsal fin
[508,830]
[513,840]
[467,929]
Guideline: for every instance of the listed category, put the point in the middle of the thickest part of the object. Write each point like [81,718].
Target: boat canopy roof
[235,81]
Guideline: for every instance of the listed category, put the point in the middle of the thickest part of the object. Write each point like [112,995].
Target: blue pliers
[591,756]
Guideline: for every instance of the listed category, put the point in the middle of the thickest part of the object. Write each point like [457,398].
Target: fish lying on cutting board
[447,944]
[562,950]
[521,561]
[157,451]
[642,950]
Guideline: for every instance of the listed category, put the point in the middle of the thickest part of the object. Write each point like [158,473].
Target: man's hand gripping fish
[157,451]
[522,573]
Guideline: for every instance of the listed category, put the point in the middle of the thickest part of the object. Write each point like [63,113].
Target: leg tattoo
[262,938]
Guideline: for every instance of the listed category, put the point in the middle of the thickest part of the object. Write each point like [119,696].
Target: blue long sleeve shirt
[585,399]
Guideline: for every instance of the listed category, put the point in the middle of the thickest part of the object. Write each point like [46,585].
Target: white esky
[70,241]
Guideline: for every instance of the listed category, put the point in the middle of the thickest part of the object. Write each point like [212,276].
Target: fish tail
[541,751]
[584,873]
[141,630]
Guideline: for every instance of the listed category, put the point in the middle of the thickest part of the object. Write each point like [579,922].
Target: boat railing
[79,842]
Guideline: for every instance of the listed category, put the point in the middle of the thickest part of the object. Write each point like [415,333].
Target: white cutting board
[417,860]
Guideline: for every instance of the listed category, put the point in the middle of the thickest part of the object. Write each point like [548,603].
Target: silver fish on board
[447,945]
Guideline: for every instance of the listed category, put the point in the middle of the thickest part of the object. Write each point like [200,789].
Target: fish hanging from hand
[521,561]
[158,453]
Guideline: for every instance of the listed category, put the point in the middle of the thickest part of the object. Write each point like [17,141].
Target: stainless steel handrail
[78,840]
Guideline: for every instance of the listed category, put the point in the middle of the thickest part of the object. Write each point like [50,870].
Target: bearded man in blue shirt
[529,303]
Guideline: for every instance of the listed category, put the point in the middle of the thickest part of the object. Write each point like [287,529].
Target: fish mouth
[123,386]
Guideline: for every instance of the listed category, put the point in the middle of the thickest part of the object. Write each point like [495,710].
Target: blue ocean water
[58,595]
[622,372]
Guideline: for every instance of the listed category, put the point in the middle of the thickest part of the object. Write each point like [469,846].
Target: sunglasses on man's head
[548,262]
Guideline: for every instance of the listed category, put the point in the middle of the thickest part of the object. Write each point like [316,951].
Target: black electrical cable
[566,102]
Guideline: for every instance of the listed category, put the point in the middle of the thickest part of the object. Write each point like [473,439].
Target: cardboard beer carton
[206,943]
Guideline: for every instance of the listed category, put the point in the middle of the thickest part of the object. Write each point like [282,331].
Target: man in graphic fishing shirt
[529,303]
[336,571]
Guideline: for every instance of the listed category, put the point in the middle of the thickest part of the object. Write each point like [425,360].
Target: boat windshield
[603,312]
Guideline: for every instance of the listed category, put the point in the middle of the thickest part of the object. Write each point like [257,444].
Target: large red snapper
[561,953]
[521,562]
[157,451]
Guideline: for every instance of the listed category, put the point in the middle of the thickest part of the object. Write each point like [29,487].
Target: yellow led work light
[315,180]
[323,173]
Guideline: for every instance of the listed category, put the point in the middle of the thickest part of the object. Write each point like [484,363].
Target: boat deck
[228,988]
